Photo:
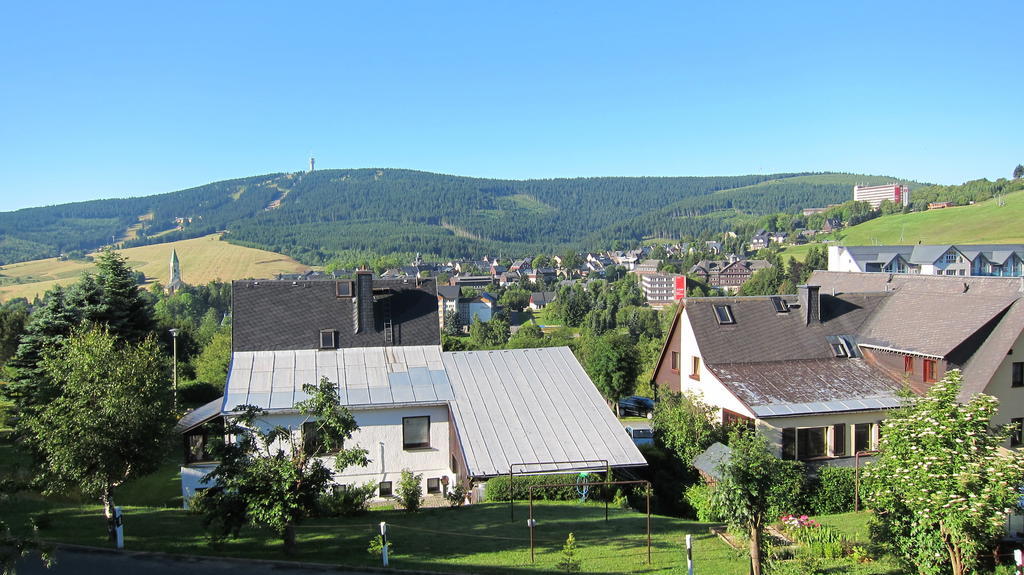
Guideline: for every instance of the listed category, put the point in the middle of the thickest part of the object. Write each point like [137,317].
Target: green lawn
[478,538]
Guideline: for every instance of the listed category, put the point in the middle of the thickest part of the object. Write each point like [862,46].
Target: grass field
[202,260]
[479,538]
[984,223]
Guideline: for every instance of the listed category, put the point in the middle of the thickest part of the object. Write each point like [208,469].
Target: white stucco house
[449,416]
[817,372]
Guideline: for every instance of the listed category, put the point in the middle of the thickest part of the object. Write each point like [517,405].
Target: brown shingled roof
[980,369]
[784,388]
[930,323]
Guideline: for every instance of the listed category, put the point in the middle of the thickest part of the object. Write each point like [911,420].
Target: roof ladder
[389,331]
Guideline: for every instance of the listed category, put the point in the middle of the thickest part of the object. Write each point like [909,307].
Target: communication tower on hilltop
[312,163]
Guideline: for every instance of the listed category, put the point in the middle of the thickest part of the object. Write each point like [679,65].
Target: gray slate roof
[269,315]
[762,335]
[862,282]
[712,459]
[532,405]
[199,415]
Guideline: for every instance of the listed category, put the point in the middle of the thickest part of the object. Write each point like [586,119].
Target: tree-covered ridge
[312,216]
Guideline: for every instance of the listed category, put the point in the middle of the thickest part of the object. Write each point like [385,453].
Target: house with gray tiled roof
[817,372]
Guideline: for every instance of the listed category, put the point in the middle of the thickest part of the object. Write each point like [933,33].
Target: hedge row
[498,487]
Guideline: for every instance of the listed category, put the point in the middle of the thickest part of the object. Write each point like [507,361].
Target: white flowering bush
[942,484]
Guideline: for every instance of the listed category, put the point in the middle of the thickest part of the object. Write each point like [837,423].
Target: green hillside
[318,215]
[983,223]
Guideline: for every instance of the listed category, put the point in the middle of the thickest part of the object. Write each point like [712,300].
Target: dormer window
[724,315]
[328,339]
[344,288]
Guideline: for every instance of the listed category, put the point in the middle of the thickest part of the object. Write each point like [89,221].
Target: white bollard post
[119,527]
[689,555]
[384,541]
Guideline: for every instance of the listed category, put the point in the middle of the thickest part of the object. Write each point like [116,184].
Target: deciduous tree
[942,484]
[744,494]
[110,419]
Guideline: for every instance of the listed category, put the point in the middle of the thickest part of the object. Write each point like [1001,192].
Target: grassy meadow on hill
[983,223]
[202,260]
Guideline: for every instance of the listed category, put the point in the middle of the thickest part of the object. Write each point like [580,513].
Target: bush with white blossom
[943,482]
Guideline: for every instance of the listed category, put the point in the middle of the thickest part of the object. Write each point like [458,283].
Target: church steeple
[175,282]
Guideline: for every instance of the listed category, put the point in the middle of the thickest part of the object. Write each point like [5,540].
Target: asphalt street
[97,563]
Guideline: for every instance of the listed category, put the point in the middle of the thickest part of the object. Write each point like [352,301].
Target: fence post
[119,527]
[384,542]
[689,555]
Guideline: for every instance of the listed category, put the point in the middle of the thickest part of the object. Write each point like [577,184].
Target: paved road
[92,563]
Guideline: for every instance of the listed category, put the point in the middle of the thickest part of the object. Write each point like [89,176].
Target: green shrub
[410,490]
[498,487]
[196,393]
[832,491]
[699,497]
[456,496]
[377,546]
[789,495]
[346,502]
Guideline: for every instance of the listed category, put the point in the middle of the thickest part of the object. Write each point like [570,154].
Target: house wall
[1011,399]
[892,364]
[707,386]
[840,260]
[192,480]
[772,427]
[664,376]
[380,433]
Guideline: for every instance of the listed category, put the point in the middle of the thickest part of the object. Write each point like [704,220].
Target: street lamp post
[174,369]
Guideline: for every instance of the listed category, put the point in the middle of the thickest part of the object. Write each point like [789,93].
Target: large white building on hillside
[875,195]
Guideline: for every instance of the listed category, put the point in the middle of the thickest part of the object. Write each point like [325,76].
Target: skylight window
[344,288]
[327,339]
[780,305]
[724,315]
[839,350]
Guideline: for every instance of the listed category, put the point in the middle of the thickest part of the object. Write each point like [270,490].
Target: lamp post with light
[174,369]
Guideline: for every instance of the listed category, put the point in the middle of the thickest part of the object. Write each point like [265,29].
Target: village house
[817,372]
[945,259]
[450,416]
[727,274]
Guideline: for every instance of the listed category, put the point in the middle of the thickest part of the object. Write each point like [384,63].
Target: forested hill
[312,216]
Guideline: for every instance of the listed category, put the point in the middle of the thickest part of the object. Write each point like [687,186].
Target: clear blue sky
[105,99]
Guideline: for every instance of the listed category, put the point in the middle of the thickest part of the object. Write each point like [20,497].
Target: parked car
[641,435]
[636,406]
